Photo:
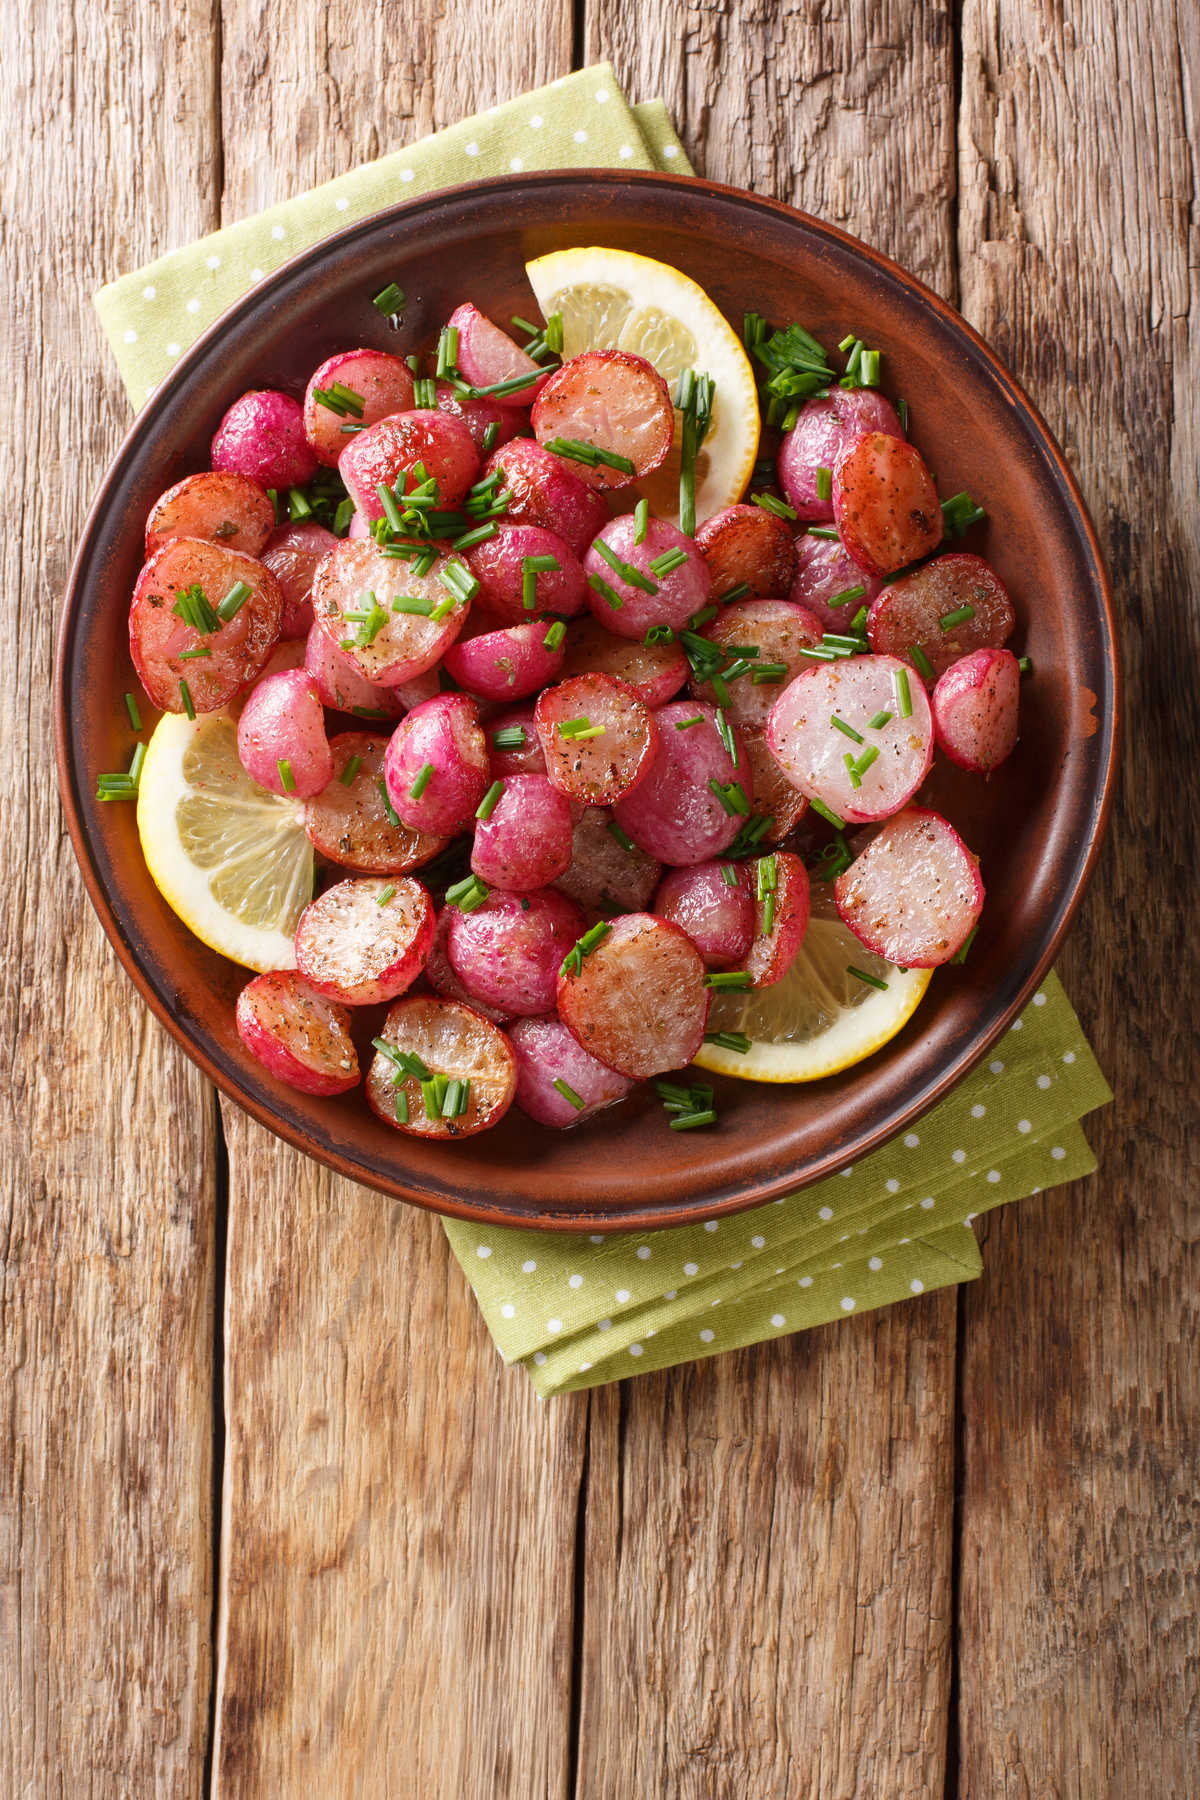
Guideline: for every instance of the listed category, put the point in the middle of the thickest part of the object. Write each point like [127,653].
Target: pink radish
[508,950]
[439,971]
[608,873]
[512,754]
[690,804]
[747,546]
[624,591]
[487,355]
[544,490]
[637,1001]
[558,1083]
[499,566]
[349,821]
[525,841]
[262,436]
[825,572]
[281,736]
[714,903]
[201,665]
[779,632]
[341,686]
[774,795]
[914,894]
[506,665]
[365,939]
[488,422]
[437,766]
[891,759]
[780,883]
[298,1036]
[975,709]
[911,614]
[655,672]
[390,622]
[293,553]
[387,454]
[824,430]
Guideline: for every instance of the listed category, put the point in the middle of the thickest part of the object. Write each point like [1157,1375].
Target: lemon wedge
[820,1018]
[615,300]
[230,858]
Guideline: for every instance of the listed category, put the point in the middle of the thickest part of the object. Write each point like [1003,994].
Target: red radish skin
[297,1035]
[718,917]
[525,841]
[673,813]
[293,553]
[914,895]
[479,416]
[910,611]
[504,665]
[544,490]
[975,706]
[389,451]
[444,733]
[527,758]
[439,972]
[677,596]
[281,732]
[824,571]
[595,770]
[774,794]
[497,567]
[885,504]
[262,436]
[638,1002]
[655,672]
[825,429]
[159,639]
[366,939]
[348,822]
[812,751]
[341,686]
[451,1040]
[383,383]
[222,507]
[773,952]
[546,1052]
[747,545]
[618,402]
[780,632]
[605,877]
[508,951]
[487,355]
[408,643]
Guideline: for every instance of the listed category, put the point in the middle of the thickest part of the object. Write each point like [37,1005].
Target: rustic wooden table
[272,1515]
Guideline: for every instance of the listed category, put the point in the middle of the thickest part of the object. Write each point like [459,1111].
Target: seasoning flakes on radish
[366,939]
[558,1082]
[637,1000]
[914,895]
[597,737]
[222,507]
[351,822]
[821,733]
[299,1036]
[202,623]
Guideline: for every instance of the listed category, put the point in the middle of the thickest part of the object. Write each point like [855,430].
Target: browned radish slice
[885,504]
[499,566]
[513,743]
[780,883]
[508,950]
[366,605]
[349,822]
[544,490]
[262,435]
[915,893]
[747,546]
[341,686]
[779,632]
[823,431]
[558,1083]
[638,1000]
[437,768]
[297,1035]
[389,451]
[690,804]
[617,402]
[655,672]
[909,616]
[486,355]
[439,972]
[608,873]
[469,1062]
[714,903]
[525,841]
[859,771]
[293,554]
[221,507]
[375,386]
[365,940]
[167,651]
[774,794]
[597,737]
[975,709]
[509,664]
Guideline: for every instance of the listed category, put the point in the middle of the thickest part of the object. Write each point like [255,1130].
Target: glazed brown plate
[1036,825]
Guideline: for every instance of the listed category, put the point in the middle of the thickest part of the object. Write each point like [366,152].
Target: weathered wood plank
[107,1134]
[1081,1397]
[400,1512]
[769,1535]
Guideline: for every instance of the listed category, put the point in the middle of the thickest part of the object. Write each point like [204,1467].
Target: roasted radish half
[915,894]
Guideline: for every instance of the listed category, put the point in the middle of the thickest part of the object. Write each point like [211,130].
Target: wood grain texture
[106,1132]
[769,1535]
[399,1519]
[1080,1589]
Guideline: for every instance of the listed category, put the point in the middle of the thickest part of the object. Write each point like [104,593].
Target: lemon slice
[614,300]
[819,1019]
[231,859]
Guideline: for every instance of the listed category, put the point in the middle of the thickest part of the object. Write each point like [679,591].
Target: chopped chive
[509,737]
[487,805]
[490,436]
[959,616]
[572,729]
[185,694]
[729,875]
[659,634]
[871,980]
[622,837]
[391,510]
[960,955]
[568,1093]
[766,876]
[342,517]
[385,894]
[401,1107]
[606,591]
[847,343]
[851,770]
[193,607]
[846,595]
[769,674]
[770,504]
[959,513]
[867,757]
[690,1121]
[878,722]
[389,300]
[868,372]
[451,1103]
[368,712]
[818,653]
[836,640]
[591,454]
[479,535]
[447,351]
[425,392]
[902,409]
[572,962]
[419,605]
[392,815]
[407,1061]
[135,717]
[459,580]
[686,724]
[734,593]
[732,796]
[846,730]
[200,650]
[1024,664]
[824,483]
[287,780]
[727,978]
[921,662]
[827,813]
[554,636]
[729,1040]
[669,560]
[822,531]
[725,733]
[298,505]
[592,939]
[467,894]
[421,781]
[627,571]
[641,521]
[701,618]
[903,693]
[350,771]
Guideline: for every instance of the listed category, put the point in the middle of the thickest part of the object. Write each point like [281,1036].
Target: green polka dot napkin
[577,1311]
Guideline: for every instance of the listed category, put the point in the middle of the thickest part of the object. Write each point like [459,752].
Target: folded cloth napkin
[578,1311]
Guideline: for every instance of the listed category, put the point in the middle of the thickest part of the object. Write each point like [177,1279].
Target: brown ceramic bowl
[1036,824]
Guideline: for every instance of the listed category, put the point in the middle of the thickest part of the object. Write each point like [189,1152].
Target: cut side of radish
[915,893]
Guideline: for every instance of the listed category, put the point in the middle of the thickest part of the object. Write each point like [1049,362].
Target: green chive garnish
[606,591]
[659,634]
[193,607]
[298,505]
[689,1121]
[871,980]
[392,815]
[686,724]
[921,662]
[389,300]
[629,572]
[185,694]
[867,757]
[554,636]
[135,717]
[287,780]
[827,813]
[824,483]
[421,781]
[1024,664]
[568,1093]
[694,397]
[479,535]
[487,805]
[350,771]
[490,436]
[200,651]
[641,520]
[960,956]
[725,733]
[848,594]
[878,722]
[509,737]
[959,616]
[385,894]
[447,351]
[903,693]
[401,1107]
[770,504]
[822,531]
[467,894]
[732,796]
[729,1040]
[846,730]
[669,560]
[727,978]
[591,454]
[734,593]
[622,837]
